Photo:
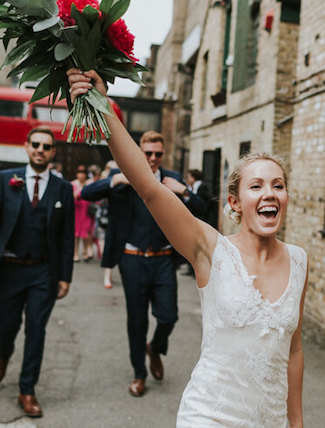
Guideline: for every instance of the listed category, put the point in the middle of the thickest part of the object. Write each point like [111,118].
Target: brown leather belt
[166,252]
[25,262]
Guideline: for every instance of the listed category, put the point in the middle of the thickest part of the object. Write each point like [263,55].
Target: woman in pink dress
[83,221]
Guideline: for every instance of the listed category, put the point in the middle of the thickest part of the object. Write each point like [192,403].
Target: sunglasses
[157,154]
[46,147]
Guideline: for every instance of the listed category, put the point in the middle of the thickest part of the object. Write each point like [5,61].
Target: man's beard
[38,167]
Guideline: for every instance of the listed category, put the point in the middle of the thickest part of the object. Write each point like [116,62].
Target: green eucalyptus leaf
[19,52]
[41,8]
[43,90]
[17,3]
[46,23]
[105,6]
[62,51]
[52,7]
[56,31]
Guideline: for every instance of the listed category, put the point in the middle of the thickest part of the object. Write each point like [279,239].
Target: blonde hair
[151,137]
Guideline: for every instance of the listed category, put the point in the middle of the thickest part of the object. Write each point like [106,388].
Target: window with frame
[141,121]
[246,44]
[13,108]
[244,148]
[290,11]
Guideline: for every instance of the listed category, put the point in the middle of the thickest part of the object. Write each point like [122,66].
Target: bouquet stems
[88,116]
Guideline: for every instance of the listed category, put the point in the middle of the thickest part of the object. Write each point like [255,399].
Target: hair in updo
[235,176]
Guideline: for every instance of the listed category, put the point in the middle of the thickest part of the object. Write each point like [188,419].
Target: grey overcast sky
[149,21]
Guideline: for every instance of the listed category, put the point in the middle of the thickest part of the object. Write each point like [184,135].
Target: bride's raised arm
[191,237]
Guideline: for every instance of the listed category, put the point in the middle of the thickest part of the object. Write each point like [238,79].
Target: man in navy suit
[36,251]
[146,260]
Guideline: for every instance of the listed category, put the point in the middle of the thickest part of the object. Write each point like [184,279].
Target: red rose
[121,38]
[16,182]
[65,9]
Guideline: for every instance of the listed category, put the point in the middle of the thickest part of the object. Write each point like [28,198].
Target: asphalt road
[86,371]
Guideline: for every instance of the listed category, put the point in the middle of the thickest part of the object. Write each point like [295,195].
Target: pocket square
[58,204]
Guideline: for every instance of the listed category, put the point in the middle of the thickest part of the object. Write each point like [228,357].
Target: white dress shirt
[42,183]
[196,186]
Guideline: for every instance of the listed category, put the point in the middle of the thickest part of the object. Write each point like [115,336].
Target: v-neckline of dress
[251,278]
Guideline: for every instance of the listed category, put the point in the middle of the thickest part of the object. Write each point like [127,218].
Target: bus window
[13,108]
[44,114]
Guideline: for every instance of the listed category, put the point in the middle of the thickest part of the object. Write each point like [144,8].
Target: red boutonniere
[17,182]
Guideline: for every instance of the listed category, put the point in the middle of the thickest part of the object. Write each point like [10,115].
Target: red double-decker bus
[17,118]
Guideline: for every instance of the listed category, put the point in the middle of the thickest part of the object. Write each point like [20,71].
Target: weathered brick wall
[213,43]
[285,90]
[168,128]
[307,181]
[250,113]
[263,91]
[257,96]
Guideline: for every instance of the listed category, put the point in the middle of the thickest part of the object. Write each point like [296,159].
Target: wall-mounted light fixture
[269,21]
[219,3]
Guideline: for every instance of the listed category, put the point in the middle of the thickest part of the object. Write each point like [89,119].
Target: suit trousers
[148,280]
[25,290]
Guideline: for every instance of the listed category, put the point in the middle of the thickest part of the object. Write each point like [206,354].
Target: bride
[251,285]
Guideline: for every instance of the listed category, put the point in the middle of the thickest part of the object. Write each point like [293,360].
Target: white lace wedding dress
[241,377]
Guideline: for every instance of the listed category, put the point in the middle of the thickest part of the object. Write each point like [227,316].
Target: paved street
[86,369]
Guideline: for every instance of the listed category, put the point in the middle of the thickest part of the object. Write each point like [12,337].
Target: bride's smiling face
[263,197]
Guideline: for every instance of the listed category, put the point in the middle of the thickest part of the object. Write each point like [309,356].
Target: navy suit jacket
[121,199]
[60,220]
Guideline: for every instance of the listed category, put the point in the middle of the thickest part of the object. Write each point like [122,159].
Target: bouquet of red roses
[55,35]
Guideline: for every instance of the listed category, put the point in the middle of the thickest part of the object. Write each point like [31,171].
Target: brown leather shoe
[156,365]
[3,368]
[30,405]
[137,387]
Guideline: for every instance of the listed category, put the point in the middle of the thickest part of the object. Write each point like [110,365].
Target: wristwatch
[186,193]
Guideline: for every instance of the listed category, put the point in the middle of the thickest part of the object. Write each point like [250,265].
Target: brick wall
[307,181]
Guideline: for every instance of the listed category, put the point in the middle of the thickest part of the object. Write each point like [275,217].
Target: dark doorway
[211,169]
[73,154]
